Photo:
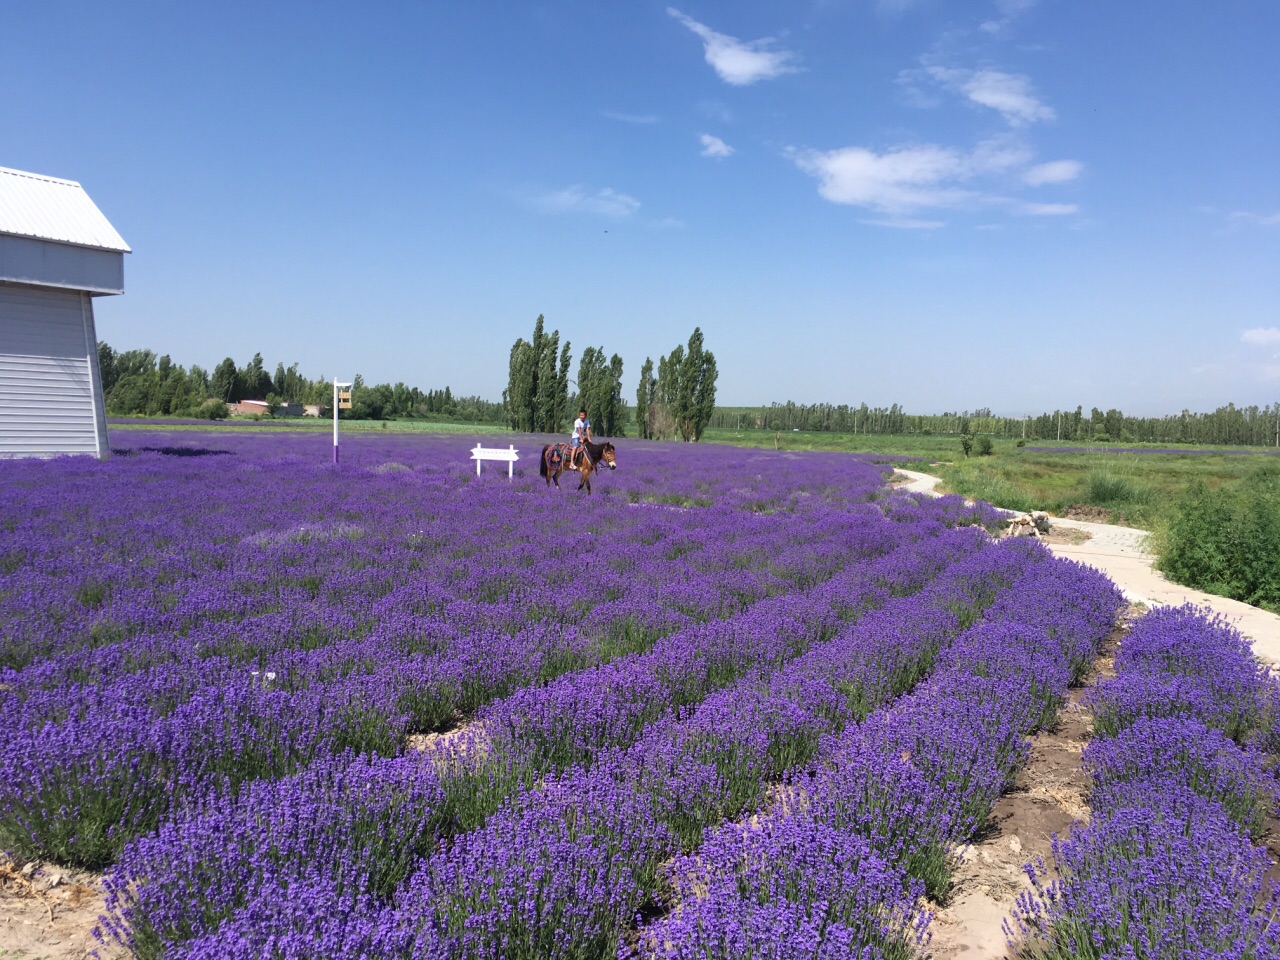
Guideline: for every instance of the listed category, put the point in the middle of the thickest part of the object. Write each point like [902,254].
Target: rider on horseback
[581,434]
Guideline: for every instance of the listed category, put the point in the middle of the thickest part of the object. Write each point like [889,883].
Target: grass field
[1135,488]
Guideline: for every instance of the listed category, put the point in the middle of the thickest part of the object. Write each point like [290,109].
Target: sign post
[341,401]
[510,455]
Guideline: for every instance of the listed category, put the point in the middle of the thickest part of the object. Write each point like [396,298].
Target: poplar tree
[645,399]
[600,391]
[537,396]
[685,395]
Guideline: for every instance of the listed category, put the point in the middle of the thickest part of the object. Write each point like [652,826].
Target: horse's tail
[542,464]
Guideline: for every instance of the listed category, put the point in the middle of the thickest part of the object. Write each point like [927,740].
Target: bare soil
[1089,513]
[1048,797]
[49,912]
[1060,534]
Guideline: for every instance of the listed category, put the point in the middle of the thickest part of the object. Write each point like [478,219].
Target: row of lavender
[1183,789]
[210,628]
[637,734]
[562,868]
[841,863]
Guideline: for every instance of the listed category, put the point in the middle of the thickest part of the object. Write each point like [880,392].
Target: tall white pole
[335,419]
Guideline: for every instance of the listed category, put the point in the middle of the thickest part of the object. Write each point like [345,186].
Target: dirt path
[48,913]
[1121,553]
[1047,797]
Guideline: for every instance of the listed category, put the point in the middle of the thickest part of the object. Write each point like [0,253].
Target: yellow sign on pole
[344,399]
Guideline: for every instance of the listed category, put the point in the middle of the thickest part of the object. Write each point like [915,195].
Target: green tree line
[136,382]
[1229,425]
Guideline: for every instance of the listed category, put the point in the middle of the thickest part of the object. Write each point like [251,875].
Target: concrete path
[1121,553]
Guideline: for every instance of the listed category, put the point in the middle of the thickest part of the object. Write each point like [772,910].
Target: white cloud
[905,180]
[1261,336]
[1258,219]
[739,62]
[579,199]
[1056,171]
[1008,93]
[896,182]
[637,118]
[714,146]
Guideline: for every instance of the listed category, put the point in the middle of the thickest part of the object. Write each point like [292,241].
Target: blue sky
[1020,204]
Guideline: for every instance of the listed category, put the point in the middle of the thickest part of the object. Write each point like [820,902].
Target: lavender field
[736,704]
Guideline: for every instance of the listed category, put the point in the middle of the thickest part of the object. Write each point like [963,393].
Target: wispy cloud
[1010,94]
[1257,219]
[1046,209]
[714,146]
[739,62]
[1010,10]
[637,118]
[1056,171]
[605,202]
[716,110]
[906,223]
[895,7]
[1261,336]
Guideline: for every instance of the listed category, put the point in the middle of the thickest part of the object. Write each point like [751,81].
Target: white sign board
[480,454]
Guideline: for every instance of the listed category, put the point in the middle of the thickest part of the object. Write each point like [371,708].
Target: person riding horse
[581,434]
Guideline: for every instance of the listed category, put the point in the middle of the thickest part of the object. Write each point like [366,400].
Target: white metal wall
[48,374]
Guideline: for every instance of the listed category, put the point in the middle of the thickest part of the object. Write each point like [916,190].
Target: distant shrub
[1227,540]
[1105,488]
[966,443]
[1022,443]
[984,446]
[1101,438]
[212,409]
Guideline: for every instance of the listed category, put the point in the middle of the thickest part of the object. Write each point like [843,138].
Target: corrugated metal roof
[33,205]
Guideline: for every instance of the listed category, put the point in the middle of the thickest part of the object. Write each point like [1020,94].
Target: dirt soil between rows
[49,912]
[1049,795]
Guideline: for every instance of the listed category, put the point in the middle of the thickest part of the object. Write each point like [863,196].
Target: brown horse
[555,461]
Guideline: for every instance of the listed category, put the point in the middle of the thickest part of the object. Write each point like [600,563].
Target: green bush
[984,446]
[1227,540]
[1105,488]
[212,409]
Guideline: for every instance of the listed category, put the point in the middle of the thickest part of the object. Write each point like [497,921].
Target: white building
[57,252]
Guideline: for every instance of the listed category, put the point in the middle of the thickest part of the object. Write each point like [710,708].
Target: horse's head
[608,457]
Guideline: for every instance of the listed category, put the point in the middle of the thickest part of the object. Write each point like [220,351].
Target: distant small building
[246,407]
[57,252]
[262,408]
[311,410]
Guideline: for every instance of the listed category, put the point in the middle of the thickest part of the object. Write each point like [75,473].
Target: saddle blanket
[559,453]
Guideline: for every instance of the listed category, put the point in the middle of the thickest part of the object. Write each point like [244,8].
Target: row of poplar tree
[676,402]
